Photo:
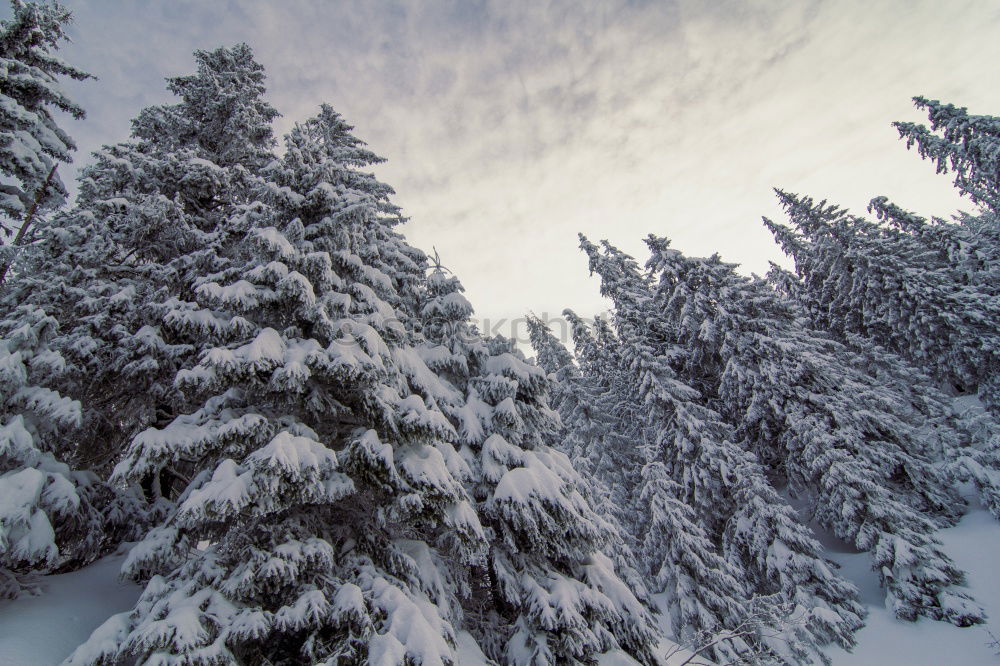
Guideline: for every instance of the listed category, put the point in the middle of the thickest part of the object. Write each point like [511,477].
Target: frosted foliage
[594,438]
[31,142]
[293,499]
[43,509]
[373,620]
[541,518]
[980,462]
[351,486]
[545,593]
[694,464]
[221,114]
[966,145]
[793,395]
[707,593]
[924,289]
[121,272]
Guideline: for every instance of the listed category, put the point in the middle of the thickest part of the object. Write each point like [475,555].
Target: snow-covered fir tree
[59,515]
[794,396]
[600,424]
[322,482]
[966,145]
[962,442]
[31,142]
[708,602]
[721,481]
[548,539]
[55,515]
[339,500]
[926,290]
[884,282]
[118,271]
[42,512]
[593,438]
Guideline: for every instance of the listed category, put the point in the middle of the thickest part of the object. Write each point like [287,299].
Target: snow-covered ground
[43,630]
[974,544]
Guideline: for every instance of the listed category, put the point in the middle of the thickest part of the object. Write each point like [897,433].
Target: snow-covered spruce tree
[449,337]
[967,145]
[925,290]
[31,143]
[544,592]
[964,256]
[859,445]
[734,326]
[960,436]
[324,498]
[661,406]
[677,369]
[119,270]
[47,514]
[592,433]
[884,282]
[707,599]
[732,500]
[546,561]
[328,520]
[600,425]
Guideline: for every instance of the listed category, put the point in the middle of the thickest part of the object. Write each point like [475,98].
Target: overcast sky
[512,125]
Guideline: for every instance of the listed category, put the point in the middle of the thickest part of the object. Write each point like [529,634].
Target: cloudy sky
[512,125]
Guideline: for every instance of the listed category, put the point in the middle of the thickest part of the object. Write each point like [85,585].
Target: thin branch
[29,218]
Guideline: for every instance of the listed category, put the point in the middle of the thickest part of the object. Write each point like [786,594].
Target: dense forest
[223,356]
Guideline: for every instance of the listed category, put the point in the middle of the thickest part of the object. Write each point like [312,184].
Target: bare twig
[769,622]
[994,642]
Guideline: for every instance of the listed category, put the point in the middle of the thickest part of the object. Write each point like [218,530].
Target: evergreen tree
[886,283]
[31,142]
[601,424]
[592,438]
[119,270]
[968,145]
[449,337]
[45,516]
[707,595]
[590,429]
[962,258]
[338,507]
[926,290]
[547,561]
[55,515]
[680,440]
[795,398]
[326,489]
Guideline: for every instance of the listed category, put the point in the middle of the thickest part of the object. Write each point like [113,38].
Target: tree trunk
[28,219]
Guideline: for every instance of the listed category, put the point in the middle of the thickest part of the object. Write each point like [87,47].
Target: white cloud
[511,126]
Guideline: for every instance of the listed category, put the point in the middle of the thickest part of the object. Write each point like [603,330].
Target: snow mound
[973,544]
[43,630]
